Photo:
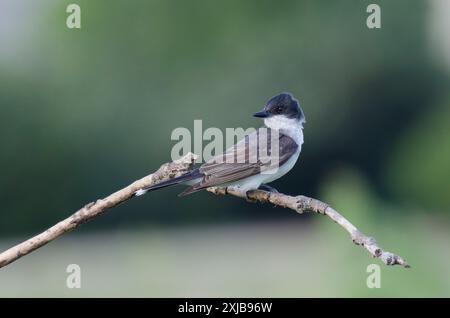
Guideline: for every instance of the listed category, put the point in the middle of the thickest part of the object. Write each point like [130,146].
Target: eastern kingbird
[283,118]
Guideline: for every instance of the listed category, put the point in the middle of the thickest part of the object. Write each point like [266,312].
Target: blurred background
[85,112]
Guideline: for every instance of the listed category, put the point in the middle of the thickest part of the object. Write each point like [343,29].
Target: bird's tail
[191,175]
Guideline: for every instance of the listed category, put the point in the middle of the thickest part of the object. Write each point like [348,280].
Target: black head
[283,104]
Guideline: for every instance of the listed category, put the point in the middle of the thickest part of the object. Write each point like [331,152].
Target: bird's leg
[267,188]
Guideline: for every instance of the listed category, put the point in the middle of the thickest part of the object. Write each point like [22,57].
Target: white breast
[290,127]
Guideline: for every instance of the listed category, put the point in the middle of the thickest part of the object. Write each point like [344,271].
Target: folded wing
[250,156]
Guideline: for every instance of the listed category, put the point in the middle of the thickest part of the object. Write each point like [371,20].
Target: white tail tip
[140,192]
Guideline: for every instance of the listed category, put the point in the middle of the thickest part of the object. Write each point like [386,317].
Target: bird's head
[282,107]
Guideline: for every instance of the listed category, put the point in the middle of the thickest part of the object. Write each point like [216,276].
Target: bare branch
[93,209]
[301,204]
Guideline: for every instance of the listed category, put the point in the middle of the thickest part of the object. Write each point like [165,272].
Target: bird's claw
[251,200]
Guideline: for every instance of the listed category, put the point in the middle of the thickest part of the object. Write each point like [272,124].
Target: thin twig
[302,204]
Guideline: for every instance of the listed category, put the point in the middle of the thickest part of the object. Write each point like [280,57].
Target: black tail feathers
[191,175]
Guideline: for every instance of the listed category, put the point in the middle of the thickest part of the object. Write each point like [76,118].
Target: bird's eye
[278,109]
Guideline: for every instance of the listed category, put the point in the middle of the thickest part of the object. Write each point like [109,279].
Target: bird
[283,123]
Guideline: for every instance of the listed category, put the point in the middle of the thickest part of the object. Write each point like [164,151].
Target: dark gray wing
[244,160]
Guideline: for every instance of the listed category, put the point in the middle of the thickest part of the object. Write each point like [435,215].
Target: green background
[85,112]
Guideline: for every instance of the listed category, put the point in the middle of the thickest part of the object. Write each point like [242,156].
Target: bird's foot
[267,188]
[248,198]
[263,187]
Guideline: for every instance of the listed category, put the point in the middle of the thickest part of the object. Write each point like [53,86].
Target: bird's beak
[261,114]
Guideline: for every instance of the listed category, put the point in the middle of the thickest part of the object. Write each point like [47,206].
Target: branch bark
[300,204]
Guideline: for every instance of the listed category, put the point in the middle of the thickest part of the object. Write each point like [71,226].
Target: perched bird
[283,120]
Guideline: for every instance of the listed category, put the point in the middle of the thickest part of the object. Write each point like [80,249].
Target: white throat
[291,127]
